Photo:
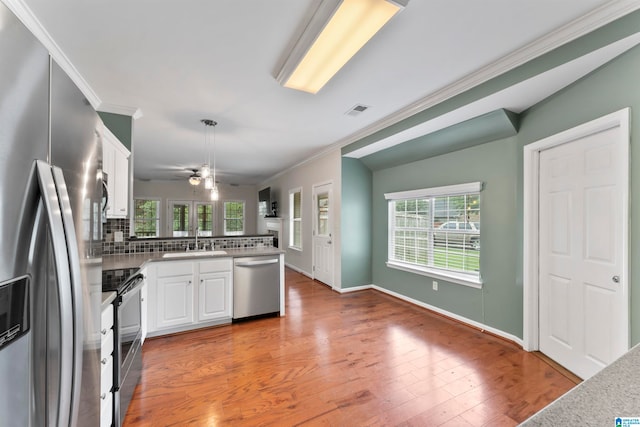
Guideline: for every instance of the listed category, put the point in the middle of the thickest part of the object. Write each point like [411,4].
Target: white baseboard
[438,310]
[353,289]
[294,268]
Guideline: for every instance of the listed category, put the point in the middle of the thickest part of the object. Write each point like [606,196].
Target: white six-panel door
[323,234]
[583,319]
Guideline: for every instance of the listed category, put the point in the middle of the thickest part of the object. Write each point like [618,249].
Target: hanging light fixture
[195,178]
[205,170]
[210,178]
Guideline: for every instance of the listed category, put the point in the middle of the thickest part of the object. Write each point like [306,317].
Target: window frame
[157,218]
[458,277]
[293,220]
[225,219]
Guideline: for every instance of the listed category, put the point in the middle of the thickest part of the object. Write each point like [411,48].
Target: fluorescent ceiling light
[337,30]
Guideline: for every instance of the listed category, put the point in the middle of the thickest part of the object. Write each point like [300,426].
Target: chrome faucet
[197,231]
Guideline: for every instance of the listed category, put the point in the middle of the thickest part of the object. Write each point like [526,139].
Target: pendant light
[205,170]
[210,178]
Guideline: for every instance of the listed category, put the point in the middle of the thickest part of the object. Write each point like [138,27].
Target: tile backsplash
[135,246]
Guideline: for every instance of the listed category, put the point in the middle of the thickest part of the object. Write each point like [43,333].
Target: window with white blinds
[295,218]
[436,231]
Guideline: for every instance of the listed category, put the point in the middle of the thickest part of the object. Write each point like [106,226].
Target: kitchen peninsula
[171,303]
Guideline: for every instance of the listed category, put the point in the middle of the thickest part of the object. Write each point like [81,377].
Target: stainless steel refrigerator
[50,239]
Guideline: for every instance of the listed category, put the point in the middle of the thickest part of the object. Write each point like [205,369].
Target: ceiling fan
[195,177]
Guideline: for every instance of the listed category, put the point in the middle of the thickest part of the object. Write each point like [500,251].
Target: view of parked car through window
[441,232]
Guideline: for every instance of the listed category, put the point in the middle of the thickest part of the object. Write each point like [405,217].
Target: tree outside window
[233,218]
[146,220]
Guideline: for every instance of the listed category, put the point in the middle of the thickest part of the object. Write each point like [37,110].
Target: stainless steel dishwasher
[256,286]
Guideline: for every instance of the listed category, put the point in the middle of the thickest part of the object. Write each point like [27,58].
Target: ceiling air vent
[357,109]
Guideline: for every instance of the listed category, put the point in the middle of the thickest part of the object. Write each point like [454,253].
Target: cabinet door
[175,301]
[121,184]
[108,167]
[214,296]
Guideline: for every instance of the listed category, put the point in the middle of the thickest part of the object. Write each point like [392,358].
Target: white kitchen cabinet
[175,303]
[115,163]
[106,366]
[215,299]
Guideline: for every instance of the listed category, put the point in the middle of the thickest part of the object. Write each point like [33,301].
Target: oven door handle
[132,283]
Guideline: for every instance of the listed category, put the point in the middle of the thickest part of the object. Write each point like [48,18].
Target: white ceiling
[182,61]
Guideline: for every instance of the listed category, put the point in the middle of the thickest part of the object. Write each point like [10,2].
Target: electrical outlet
[435,285]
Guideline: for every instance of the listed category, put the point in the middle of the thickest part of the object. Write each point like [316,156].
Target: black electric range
[127,353]
[113,280]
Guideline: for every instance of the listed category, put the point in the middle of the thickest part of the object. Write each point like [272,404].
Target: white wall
[326,168]
[182,190]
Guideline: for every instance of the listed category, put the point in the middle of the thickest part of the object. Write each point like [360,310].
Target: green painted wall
[498,303]
[355,223]
[611,88]
[601,37]
[499,165]
[120,125]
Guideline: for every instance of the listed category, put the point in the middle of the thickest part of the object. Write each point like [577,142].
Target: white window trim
[292,219]
[158,219]
[224,217]
[449,276]
[447,190]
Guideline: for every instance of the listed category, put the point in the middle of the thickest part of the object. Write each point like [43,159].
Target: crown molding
[29,19]
[575,29]
[135,113]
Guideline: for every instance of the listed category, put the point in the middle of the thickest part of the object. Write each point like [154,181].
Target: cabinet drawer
[106,376]
[106,345]
[106,321]
[173,268]
[106,410]
[216,265]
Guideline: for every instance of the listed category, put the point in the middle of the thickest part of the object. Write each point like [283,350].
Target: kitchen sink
[192,254]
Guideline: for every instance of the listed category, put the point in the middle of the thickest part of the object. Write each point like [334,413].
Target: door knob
[616,279]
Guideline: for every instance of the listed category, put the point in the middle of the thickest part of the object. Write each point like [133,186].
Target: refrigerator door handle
[53,211]
[76,289]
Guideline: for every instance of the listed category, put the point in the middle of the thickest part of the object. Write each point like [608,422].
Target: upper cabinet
[115,164]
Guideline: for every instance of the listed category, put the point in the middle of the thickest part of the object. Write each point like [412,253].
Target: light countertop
[116,262]
[107,298]
[611,393]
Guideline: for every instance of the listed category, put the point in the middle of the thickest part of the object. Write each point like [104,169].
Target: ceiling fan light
[205,171]
[208,182]
[194,180]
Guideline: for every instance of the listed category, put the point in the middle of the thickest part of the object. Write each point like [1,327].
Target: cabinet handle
[189,282]
[121,209]
[103,396]
[104,361]
[103,332]
[141,299]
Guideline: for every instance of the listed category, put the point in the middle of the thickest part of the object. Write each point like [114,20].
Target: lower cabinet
[106,367]
[184,295]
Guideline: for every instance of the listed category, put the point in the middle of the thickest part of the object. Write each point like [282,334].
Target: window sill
[458,278]
[295,248]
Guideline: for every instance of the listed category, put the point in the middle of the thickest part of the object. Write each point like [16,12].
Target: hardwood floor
[359,359]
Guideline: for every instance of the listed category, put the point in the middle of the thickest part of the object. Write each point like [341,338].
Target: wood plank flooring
[359,359]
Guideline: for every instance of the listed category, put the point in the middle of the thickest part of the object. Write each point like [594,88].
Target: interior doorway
[323,251]
[576,290]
